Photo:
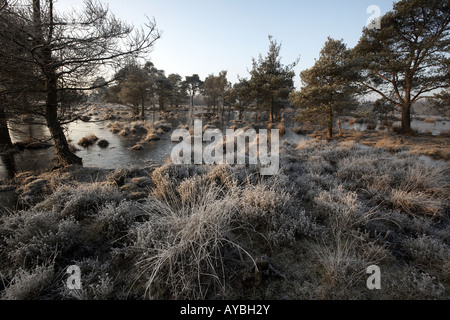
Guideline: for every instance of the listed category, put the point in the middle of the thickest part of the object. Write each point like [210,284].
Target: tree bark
[5,138]
[9,162]
[65,156]
[161,103]
[223,106]
[142,106]
[330,123]
[406,119]
[271,111]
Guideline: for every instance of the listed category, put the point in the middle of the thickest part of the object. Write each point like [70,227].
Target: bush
[35,237]
[28,285]
[431,254]
[80,201]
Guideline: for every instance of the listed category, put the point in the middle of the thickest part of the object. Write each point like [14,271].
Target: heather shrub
[340,209]
[431,254]
[97,283]
[114,221]
[29,284]
[34,237]
[80,200]
[167,177]
[409,283]
[223,176]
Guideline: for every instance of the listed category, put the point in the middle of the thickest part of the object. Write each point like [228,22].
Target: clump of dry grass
[281,129]
[88,140]
[124,132]
[357,135]
[341,209]
[343,260]
[152,134]
[162,124]
[393,145]
[137,147]
[138,127]
[182,243]
[115,127]
[416,203]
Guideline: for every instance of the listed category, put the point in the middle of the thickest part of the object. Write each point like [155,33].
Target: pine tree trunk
[406,119]
[339,126]
[330,123]
[142,106]
[223,108]
[161,103]
[44,52]
[223,102]
[271,111]
[5,138]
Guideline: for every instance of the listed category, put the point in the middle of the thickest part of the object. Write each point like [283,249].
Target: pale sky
[207,36]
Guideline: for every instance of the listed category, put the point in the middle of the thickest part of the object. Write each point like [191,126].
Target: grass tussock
[281,129]
[208,232]
[182,244]
[103,143]
[140,128]
[88,140]
[393,145]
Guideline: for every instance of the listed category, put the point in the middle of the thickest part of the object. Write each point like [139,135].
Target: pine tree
[193,84]
[178,95]
[271,81]
[327,89]
[407,59]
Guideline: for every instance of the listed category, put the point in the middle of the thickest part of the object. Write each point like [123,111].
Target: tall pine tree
[407,59]
[328,89]
[271,81]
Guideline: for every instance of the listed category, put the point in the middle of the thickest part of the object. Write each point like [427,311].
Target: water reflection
[8,167]
[21,131]
[119,153]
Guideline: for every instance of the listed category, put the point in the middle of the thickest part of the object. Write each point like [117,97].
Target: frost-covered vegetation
[208,232]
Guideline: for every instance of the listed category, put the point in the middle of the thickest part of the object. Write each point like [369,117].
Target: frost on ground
[214,232]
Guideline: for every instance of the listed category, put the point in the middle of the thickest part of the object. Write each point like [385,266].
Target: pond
[435,126]
[119,152]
